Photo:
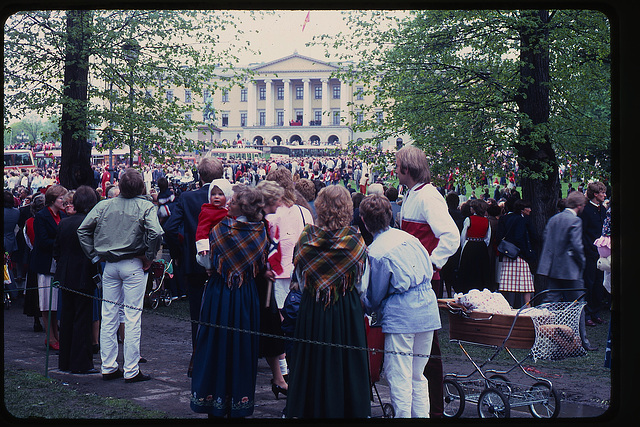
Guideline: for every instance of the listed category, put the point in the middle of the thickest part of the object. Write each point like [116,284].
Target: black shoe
[37,327]
[113,375]
[137,378]
[276,389]
[142,360]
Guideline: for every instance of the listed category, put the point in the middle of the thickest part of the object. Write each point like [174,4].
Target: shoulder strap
[304,224]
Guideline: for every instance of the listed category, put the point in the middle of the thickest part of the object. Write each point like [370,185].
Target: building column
[288,106]
[252,104]
[269,104]
[306,112]
[345,96]
[326,111]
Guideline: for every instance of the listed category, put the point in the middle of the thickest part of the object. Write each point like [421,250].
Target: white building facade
[292,100]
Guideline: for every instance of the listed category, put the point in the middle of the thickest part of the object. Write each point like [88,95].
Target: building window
[379,117]
[225,119]
[359,118]
[187,96]
[243,119]
[263,93]
[170,96]
[207,96]
[225,95]
[299,92]
[317,115]
[187,117]
[243,95]
[318,92]
[299,116]
[280,117]
[336,92]
[359,93]
[280,93]
[336,118]
[263,118]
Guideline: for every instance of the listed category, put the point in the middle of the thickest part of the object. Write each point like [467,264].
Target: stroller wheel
[154,301]
[388,411]
[166,298]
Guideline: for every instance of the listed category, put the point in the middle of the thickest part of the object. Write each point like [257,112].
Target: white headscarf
[222,184]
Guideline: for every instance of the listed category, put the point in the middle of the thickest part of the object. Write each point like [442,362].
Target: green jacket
[120,228]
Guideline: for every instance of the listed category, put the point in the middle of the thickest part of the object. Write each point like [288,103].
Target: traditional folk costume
[474,271]
[326,381]
[225,362]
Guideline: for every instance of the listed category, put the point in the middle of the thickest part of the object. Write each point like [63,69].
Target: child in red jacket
[211,213]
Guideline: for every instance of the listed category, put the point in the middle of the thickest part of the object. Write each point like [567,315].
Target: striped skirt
[515,275]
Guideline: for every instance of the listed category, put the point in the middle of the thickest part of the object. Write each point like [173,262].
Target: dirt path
[165,344]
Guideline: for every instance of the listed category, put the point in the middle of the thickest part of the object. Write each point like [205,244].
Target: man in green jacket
[125,233]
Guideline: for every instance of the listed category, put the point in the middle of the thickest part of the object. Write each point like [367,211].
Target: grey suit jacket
[562,251]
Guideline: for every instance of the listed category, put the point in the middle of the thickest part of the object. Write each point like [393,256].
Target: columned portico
[270,103]
[326,118]
[306,111]
[288,106]
[252,101]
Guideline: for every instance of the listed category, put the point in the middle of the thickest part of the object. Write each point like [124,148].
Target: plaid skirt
[515,275]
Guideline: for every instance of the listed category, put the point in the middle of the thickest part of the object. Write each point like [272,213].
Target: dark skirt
[31,305]
[325,381]
[474,271]
[270,322]
[225,363]
[76,331]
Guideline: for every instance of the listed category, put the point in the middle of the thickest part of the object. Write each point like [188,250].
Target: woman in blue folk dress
[225,362]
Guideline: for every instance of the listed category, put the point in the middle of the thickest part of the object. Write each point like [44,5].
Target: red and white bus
[18,160]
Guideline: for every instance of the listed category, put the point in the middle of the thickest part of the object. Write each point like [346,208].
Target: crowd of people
[291,249]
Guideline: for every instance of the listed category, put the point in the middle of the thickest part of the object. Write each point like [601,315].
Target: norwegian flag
[306,20]
[275,255]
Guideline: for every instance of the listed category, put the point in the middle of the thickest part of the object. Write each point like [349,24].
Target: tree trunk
[75,168]
[536,157]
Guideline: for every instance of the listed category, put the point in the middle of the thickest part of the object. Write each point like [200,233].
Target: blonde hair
[334,207]
[271,191]
[283,177]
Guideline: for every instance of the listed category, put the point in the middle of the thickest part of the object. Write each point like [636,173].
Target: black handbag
[507,248]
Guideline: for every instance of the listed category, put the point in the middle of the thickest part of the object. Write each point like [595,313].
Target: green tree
[479,89]
[79,66]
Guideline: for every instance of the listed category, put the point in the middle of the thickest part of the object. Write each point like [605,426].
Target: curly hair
[376,213]
[334,207]
[250,201]
[307,188]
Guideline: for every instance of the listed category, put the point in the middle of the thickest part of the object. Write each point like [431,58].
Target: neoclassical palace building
[292,100]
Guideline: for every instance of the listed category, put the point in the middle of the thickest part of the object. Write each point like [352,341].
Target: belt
[475,239]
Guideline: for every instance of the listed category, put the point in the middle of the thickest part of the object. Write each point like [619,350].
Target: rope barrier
[248,331]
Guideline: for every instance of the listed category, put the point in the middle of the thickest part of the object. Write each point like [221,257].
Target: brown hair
[413,161]
[53,193]
[131,184]
[250,201]
[376,213]
[575,199]
[210,168]
[334,207]
[271,191]
[595,187]
[307,188]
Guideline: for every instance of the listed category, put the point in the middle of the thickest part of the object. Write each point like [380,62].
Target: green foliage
[451,79]
[127,90]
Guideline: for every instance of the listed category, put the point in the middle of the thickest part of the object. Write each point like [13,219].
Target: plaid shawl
[329,262]
[238,250]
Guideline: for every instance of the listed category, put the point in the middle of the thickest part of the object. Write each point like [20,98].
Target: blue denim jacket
[398,284]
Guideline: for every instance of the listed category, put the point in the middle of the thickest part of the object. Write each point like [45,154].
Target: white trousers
[408,386]
[123,282]
[46,292]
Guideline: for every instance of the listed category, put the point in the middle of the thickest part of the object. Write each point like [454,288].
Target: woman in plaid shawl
[328,381]
[225,362]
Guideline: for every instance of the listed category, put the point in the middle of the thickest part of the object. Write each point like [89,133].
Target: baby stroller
[375,339]
[156,290]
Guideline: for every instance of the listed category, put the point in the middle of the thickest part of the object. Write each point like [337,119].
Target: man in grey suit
[562,259]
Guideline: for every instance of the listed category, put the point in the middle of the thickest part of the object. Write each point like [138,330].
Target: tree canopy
[134,58]
[451,79]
